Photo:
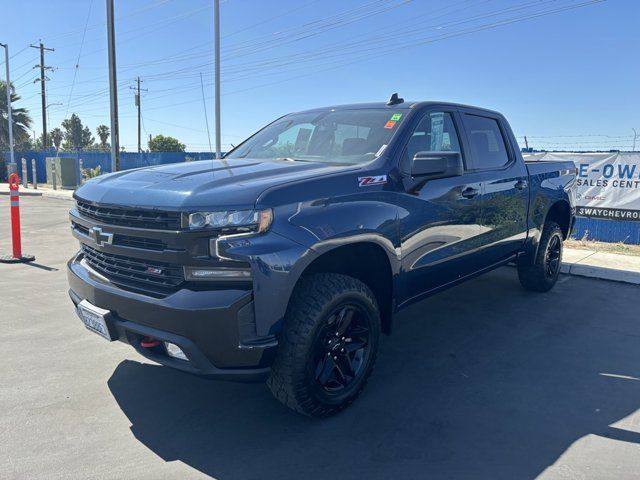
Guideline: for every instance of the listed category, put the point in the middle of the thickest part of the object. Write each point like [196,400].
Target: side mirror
[432,165]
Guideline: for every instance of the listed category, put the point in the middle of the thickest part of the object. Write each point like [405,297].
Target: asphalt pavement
[484,380]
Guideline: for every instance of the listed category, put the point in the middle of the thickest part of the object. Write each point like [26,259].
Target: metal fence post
[53,173]
[24,173]
[81,169]
[34,173]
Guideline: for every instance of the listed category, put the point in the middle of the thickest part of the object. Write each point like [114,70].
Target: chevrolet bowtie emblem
[100,237]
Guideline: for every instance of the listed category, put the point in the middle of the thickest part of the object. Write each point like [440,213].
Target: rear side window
[487,142]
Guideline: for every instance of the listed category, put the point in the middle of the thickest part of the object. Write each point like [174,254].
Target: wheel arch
[366,261]
[560,212]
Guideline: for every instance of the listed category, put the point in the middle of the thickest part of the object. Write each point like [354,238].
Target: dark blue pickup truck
[286,259]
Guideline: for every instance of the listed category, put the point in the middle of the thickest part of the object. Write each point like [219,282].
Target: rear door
[440,219]
[504,178]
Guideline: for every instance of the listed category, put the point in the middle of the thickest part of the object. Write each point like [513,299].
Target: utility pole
[137,103]
[526,142]
[113,89]
[216,28]
[635,136]
[9,112]
[43,92]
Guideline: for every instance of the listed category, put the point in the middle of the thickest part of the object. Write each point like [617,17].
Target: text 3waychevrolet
[286,259]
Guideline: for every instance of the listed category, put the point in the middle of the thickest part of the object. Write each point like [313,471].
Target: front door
[440,220]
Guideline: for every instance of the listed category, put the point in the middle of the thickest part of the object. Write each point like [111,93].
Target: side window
[487,142]
[436,132]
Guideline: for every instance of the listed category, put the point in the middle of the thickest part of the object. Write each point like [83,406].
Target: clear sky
[566,77]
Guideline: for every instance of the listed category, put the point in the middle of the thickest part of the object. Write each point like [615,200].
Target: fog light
[175,351]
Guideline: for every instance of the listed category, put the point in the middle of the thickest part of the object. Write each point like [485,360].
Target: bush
[88,173]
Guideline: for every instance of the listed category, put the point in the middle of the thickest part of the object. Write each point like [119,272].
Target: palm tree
[56,137]
[103,133]
[21,119]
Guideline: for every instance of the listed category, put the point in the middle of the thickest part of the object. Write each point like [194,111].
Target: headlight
[240,220]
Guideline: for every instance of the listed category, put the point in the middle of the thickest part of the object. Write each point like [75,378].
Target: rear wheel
[328,346]
[542,274]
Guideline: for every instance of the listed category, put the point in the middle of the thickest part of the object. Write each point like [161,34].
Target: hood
[199,184]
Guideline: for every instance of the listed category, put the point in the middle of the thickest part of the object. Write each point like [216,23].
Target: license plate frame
[95,319]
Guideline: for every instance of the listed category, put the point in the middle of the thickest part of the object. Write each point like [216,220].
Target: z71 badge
[368,181]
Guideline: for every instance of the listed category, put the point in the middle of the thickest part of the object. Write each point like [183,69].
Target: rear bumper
[215,328]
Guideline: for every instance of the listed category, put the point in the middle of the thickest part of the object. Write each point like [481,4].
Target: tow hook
[149,342]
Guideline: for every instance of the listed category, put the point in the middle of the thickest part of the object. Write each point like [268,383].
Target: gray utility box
[66,172]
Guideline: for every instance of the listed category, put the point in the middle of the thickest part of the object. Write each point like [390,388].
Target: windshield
[333,136]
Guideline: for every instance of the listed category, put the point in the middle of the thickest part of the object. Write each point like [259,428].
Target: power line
[204,106]
[43,90]
[75,71]
[138,104]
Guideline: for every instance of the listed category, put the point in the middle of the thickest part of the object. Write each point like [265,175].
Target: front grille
[129,217]
[143,273]
[128,240]
[139,242]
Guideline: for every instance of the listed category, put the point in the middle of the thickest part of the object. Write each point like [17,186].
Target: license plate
[94,319]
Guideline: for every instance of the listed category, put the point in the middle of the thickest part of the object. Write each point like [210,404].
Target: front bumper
[215,328]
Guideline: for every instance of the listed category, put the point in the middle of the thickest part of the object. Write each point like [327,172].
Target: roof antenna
[394,99]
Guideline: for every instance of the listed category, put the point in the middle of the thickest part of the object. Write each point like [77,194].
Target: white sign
[607,185]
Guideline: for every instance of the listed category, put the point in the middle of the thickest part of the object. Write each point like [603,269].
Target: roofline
[401,106]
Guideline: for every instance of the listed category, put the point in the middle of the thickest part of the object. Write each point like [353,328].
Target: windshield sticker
[390,124]
[437,131]
[396,116]
[369,181]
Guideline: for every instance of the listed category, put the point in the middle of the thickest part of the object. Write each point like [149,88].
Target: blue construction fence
[128,160]
[611,231]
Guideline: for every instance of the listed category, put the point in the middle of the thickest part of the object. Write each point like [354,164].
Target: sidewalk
[606,266]
[43,190]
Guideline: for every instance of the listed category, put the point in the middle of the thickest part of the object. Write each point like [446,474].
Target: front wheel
[328,346]
[542,274]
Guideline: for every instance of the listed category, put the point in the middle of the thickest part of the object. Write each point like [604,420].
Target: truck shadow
[469,385]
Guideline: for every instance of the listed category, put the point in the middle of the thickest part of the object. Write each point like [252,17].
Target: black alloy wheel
[552,256]
[342,348]
[541,273]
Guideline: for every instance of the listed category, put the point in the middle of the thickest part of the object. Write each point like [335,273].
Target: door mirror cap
[432,165]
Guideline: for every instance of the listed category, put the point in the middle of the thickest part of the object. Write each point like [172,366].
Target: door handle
[470,192]
[521,184]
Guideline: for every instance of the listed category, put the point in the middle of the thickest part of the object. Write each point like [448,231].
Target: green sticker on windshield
[395,117]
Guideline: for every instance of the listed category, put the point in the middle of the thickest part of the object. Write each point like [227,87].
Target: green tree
[39,145]
[21,119]
[76,136]
[160,143]
[103,133]
[23,144]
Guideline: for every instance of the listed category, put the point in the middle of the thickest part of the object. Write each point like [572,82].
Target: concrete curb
[602,273]
[24,193]
[45,191]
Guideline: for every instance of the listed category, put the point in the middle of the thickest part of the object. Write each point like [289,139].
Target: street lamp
[49,119]
[9,112]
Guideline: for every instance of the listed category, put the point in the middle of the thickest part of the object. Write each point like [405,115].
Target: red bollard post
[14,196]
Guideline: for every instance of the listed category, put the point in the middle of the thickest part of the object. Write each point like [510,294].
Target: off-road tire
[292,380]
[535,276]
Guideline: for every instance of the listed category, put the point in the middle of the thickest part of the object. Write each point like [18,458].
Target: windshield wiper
[289,159]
